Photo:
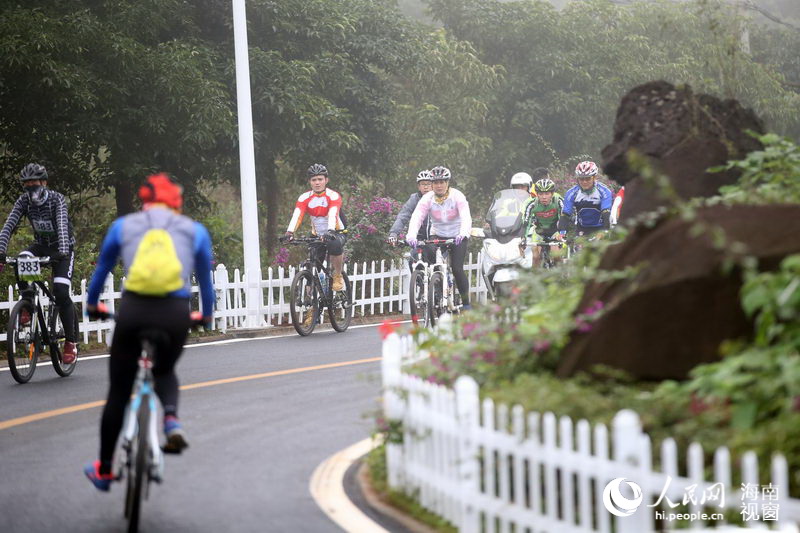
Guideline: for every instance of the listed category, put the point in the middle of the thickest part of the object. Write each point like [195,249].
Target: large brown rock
[680,134]
[674,313]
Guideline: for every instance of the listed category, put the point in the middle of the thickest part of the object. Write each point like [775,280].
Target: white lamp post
[247,168]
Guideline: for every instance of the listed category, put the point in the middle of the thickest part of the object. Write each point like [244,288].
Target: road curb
[375,501]
[327,489]
[327,486]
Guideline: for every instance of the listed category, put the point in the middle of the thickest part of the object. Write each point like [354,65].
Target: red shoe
[70,353]
[24,317]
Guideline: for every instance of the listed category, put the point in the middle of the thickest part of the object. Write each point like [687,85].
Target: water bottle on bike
[323,280]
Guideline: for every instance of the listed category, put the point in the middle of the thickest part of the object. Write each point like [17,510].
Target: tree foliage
[567,70]
[109,91]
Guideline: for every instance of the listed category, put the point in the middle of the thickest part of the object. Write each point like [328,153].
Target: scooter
[502,258]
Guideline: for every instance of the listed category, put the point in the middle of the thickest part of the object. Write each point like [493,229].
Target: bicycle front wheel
[22,341]
[436,304]
[418,299]
[138,471]
[341,309]
[304,303]
[57,338]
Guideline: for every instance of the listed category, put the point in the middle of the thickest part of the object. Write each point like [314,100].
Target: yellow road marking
[327,489]
[83,406]
[49,414]
[279,373]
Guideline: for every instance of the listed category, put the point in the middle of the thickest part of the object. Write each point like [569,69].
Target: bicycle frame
[442,265]
[32,293]
[315,266]
[545,259]
[144,396]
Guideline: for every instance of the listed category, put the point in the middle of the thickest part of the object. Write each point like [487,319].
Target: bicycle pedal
[171,451]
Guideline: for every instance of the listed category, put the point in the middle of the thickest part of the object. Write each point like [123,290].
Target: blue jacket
[586,208]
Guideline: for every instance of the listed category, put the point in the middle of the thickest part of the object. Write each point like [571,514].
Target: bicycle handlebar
[44,260]
[101,313]
[306,240]
[300,240]
[437,242]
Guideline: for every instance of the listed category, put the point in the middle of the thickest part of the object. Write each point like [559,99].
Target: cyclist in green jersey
[541,216]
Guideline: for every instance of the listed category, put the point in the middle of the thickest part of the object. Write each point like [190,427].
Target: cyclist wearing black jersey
[47,212]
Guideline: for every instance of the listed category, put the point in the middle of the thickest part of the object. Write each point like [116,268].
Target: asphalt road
[254,443]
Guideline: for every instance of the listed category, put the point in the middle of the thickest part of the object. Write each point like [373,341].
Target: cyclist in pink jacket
[449,219]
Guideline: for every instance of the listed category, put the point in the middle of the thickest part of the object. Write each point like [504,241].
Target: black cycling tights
[457,256]
[137,313]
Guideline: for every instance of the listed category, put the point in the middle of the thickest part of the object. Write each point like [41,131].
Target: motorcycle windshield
[505,214]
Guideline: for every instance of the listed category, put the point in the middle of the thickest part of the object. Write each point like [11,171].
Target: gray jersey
[51,225]
[180,228]
[404,216]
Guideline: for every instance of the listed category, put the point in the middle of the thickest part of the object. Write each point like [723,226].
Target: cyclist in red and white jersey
[324,207]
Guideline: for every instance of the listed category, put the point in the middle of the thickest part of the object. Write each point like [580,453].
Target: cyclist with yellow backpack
[159,248]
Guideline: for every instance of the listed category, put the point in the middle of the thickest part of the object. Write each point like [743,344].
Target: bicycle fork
[144,399]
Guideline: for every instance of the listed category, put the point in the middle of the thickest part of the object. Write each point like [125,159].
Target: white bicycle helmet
[522,178]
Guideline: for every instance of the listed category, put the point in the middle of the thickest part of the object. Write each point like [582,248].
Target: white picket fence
[379,287]
[485,467]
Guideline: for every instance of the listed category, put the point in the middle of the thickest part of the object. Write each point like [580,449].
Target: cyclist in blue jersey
[143,308]
[587,205]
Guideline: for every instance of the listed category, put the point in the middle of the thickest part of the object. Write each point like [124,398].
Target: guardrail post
[221,290]
[467,408]
[405,283]
[627,453]
[393,408]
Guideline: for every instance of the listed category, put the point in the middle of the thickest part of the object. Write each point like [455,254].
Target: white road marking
[211,343]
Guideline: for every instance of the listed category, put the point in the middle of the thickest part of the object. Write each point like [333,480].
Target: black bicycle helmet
[33,171]
[317,170]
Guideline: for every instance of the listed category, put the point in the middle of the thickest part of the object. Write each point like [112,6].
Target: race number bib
[29,269]
[43,226]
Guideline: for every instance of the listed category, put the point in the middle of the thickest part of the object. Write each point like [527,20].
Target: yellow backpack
[156,269]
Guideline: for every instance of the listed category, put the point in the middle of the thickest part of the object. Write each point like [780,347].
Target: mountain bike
[581,239]
[31,328]
[442,296]
[142,459]
[312,292]
[418,289]
[546,259]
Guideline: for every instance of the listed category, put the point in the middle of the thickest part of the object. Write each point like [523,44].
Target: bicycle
[312,292]
[441,295]
[418,288]
[26,340]
[546,259]
[582,238]
[142,460]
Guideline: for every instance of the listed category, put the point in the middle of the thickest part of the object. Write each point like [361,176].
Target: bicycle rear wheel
[22,341]
[418,299]
[138,471]
[436,305]
[341,310]
[57,338]
[304,303]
